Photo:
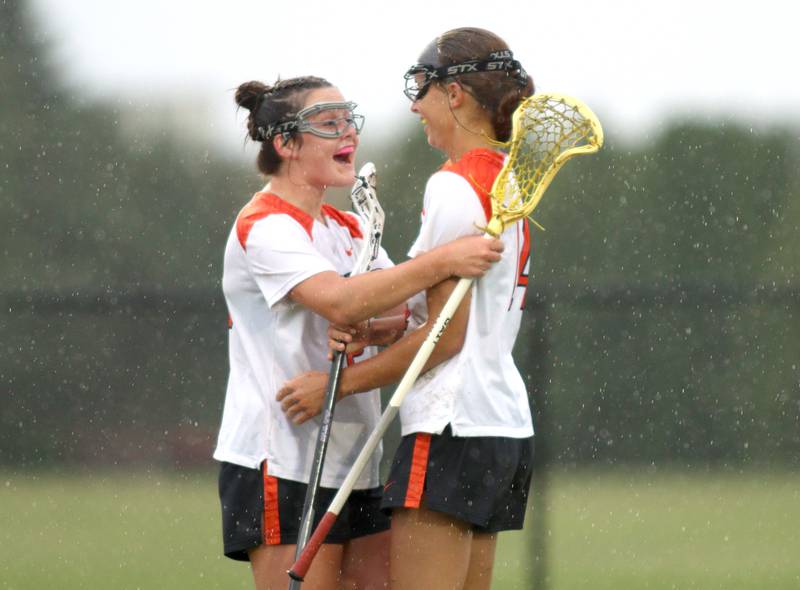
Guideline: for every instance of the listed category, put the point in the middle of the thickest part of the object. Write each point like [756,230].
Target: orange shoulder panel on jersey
[479,167]
[343,219]
[262,205]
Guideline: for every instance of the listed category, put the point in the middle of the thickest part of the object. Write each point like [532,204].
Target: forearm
[364,296]
[390,365]
[386,329]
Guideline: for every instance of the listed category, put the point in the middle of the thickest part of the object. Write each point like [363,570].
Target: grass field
[604,530]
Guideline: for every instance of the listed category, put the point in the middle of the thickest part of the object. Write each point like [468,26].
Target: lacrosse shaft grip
[303,563]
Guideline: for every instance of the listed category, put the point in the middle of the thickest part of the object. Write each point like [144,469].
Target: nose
[349,130]
[351,134]
[414,108]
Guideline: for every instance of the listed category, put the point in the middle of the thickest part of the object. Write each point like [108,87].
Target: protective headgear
[305,121]
[419,76]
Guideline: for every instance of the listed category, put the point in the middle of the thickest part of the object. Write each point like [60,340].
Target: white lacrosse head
[365,204]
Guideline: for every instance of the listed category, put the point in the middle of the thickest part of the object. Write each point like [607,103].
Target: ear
[455,94]
[287,150]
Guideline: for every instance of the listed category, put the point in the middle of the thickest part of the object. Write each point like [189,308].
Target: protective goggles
[419,76]
[318,121]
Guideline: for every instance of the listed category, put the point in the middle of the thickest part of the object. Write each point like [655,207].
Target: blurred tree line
[665,284]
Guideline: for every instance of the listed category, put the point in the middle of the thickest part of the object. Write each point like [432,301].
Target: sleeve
[281,255]
[452,210]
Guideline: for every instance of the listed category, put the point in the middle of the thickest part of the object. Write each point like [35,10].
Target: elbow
[345,313]
[453,345]
[341,308]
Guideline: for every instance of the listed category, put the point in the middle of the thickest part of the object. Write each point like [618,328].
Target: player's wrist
[345,383]
[440,262]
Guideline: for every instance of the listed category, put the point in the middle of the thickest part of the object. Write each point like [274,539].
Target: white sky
[633,62]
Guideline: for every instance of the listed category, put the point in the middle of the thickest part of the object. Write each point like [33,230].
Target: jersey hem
[470,431]
[237,459]
[278,471]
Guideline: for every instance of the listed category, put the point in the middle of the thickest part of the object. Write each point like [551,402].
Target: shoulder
[473,174]
[479,167]
[343,219]
[266,206]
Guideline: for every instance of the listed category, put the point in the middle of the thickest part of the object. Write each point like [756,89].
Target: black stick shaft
[323,436]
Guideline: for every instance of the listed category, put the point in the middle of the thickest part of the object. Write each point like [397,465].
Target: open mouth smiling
[345,155]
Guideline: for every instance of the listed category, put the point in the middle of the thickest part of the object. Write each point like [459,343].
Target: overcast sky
[633,62]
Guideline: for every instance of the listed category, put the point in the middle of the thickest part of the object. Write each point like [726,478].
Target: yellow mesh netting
[548,129]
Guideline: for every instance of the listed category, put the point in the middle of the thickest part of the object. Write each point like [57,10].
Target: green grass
[665,531]
[604,530]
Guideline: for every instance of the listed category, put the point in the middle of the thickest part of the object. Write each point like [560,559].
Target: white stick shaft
[413,371]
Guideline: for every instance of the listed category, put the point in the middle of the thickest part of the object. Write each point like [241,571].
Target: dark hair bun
[249,94]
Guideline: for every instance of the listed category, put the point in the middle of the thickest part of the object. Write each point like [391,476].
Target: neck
[466,139]
[305,197]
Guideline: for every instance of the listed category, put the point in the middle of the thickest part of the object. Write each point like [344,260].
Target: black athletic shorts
[259,509]
[480,480]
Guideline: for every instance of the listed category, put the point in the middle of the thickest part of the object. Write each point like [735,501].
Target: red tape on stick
[300,567]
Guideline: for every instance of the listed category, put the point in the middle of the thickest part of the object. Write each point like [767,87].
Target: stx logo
[493,66]
[441,330]
[462,69]
[505,54]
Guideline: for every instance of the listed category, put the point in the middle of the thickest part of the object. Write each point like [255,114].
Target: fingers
[283,392]
[338,338]
[496,248]
[335,345]
[296,412]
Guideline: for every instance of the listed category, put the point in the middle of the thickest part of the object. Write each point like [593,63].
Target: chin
[343,179]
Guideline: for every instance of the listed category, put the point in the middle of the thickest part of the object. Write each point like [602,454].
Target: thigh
[481,561]
[428,550]
[270,563]
[365,563]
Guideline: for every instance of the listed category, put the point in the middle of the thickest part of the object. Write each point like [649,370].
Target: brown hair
[499,93]
[270,105]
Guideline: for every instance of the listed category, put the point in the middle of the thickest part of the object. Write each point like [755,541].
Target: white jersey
[479,392]
[272,248]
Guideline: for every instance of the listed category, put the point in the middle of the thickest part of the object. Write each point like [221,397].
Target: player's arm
[301,398]
[347,301]
[379,331]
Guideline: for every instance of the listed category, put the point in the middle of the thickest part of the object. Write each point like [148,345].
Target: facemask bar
[326,128]
[499,61]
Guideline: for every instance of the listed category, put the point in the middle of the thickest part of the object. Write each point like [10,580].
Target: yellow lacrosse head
[547,130]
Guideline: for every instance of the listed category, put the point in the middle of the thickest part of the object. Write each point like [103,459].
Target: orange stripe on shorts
[271,526]
[419,465]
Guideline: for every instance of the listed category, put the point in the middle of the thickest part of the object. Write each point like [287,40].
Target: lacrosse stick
[548,129]
[366,206]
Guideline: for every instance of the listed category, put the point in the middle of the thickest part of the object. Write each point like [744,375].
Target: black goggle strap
[498,62]
[285,129]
